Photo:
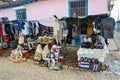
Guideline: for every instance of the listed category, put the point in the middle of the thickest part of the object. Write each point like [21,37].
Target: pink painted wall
[42,11]
[97,7]
[10,13]
[39,10]
[45,9]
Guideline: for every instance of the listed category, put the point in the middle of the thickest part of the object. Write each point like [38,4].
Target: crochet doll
[50,59]
[96,65]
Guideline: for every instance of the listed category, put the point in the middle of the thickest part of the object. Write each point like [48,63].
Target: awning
[86,17]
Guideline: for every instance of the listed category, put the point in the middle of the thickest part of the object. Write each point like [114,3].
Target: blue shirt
[77,40]
[18,24]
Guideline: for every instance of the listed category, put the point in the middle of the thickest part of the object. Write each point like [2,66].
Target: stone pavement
[29,71]
[114,44]
[113,59]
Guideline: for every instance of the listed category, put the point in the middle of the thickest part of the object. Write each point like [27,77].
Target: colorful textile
[18,24]
[77,40]
[26,29]
[83,28]
[84,65]
[1,32]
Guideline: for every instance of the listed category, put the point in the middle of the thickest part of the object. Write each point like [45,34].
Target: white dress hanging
[57,30]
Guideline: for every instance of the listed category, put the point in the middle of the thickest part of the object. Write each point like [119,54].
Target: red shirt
[1,32]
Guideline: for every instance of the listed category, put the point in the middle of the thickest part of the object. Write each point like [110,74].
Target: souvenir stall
[49,48]
[48,52]
[6,35]
[28,34]
[10,30]
[87,34]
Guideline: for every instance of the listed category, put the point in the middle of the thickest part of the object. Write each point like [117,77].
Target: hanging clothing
[83,28]
[77,40]
[37,28]
[108,25]
[34,28]
[69,39]
[12,28]
[108,34]
[26,29]
[16,35]
[70,29]
[8,29]
[74,30]
[70,33]
[65,25]
[57,30]
[31,28]
[1,32]
[5,38]
[90,29]
[98,23]
[3,29]
[18,24]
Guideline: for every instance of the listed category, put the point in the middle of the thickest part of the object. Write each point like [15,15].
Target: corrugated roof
[4,2]
[11,3]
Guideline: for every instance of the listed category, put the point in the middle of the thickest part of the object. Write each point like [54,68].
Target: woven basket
[50,40]
[40,39]
[45,39]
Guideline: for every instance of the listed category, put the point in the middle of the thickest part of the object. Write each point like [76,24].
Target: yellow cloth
[90,29]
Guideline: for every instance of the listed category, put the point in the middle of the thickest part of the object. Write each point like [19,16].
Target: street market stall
[90,34]
[99,53]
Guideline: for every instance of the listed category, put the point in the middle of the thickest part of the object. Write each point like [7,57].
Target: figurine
[95,65]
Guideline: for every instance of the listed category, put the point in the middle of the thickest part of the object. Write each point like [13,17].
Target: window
[21,14]
[77,8]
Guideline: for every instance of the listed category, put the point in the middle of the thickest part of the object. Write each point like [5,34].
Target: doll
[95,65]
[38,53]
[52,60]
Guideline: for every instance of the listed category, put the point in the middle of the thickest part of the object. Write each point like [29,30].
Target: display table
[100,54]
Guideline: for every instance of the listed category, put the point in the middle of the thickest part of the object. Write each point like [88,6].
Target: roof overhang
[14,4]
[86,17]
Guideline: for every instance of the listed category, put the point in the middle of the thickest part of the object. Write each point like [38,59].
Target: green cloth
[58,66]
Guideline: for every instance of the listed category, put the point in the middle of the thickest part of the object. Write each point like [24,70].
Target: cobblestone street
[29,71]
